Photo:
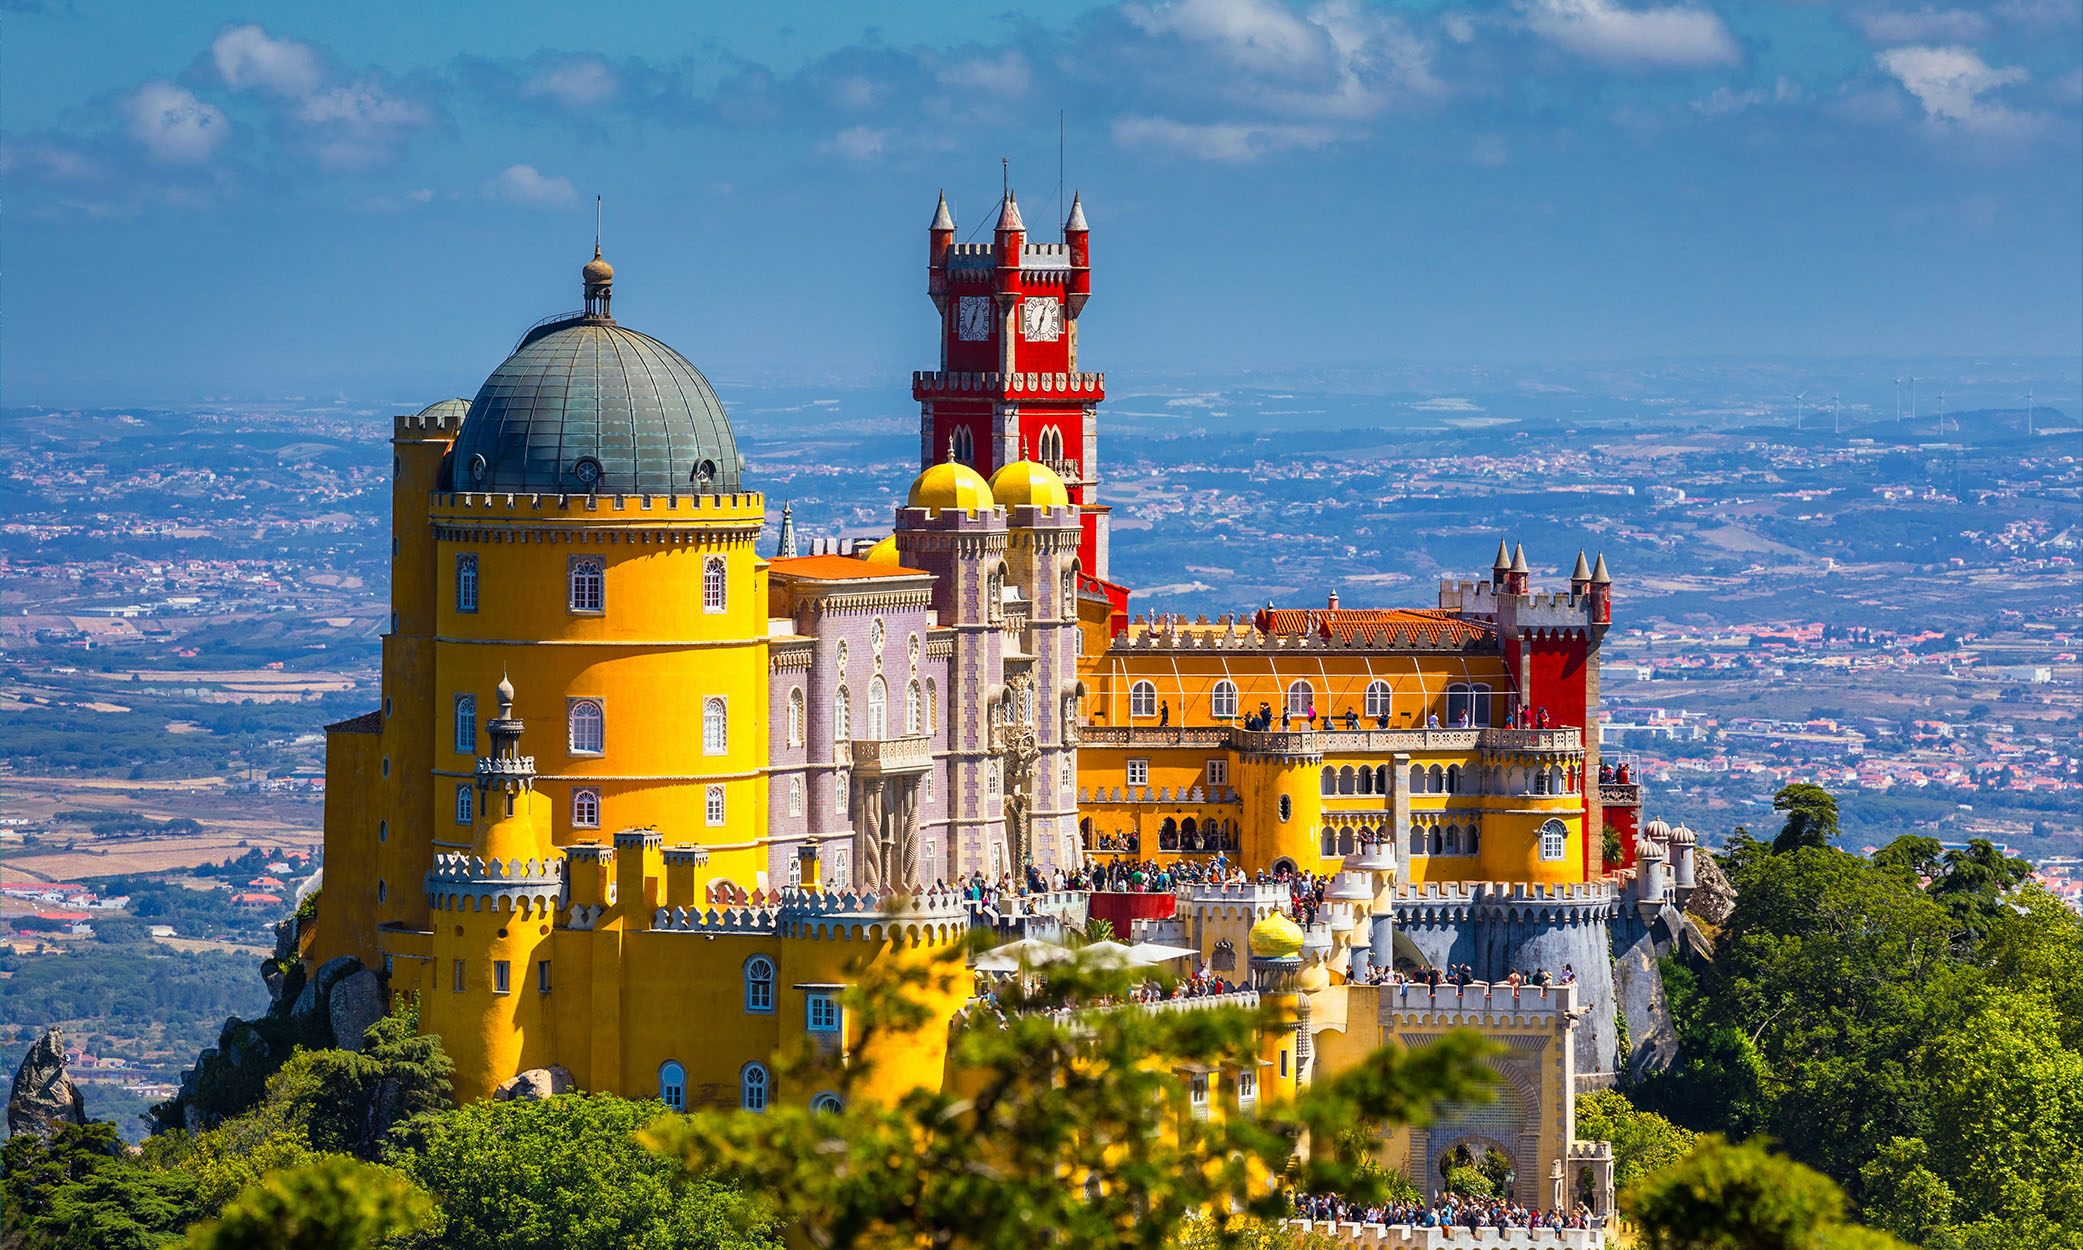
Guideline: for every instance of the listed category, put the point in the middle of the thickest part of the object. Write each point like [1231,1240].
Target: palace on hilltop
[637,794]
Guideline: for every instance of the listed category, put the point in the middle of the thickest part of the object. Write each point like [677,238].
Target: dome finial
[506,697]
[598,275]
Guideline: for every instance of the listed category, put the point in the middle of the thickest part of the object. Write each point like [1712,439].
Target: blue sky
[304,199]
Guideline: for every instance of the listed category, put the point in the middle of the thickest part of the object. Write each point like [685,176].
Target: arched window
[712,806]
[587,727]
[827,1103]
[466,803]
[759,984]
[1555,781]
[1346,782]
[1479,704]
[1437,847]
[1436,780]
[1417,839]
[1554,840]
[842,716]
[1330,842]
[1457,703]
[963,444]
[1417,778]
[795,873]
[1328,780]
[466,724]
[466,583]
[585,808]
[752,1087]
[1222,703]
[712,584]
[795,717]
[715,734]
[1381,779]
[878,709]
[1142,699]
[914,707]
[1379,700]
[795,796]
[932,707]
[672,1085]
[1453,779]
[1453,839]
[1540,781]
[1472,829]
[587,591]
[1345,840]
[1300,698]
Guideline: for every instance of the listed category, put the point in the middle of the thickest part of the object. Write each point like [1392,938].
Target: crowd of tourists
[1449,1211]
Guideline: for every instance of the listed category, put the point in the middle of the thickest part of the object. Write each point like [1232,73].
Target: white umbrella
[1021,955]
[1107,954]
[1158,952]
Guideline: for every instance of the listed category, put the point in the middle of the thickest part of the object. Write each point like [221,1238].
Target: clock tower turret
[1008,379]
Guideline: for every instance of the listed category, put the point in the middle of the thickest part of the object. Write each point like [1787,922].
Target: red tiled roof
[836,568]
[366,723]
[1422,627]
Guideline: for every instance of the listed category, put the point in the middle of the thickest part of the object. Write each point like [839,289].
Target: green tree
[1064,1125]
[335,1203]
[2009,1109]
[225,1160]
[1643,1141]
[78,1192]
[1811,817]
[1724,1197]
[566,1173]
[1976,885]
[350,1102]
[2035,946]
[1903,1195]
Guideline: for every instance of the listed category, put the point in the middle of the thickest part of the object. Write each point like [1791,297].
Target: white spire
[942,219]
[1076,222]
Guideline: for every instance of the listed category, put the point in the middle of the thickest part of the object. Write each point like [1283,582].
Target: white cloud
[1679,35]
[1259,34]
[1923,25]
[1217,141]
[173,124]
[1006,75]
[1950,83]
[860,143]
[524,184]
[247,57]
[575,84]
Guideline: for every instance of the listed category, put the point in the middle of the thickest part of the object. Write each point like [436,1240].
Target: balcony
[1619,794]
[891,756]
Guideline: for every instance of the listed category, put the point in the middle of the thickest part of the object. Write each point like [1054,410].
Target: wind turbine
[1913,400]
[1836,407]
[1942,412]
[1898,400]
[1797,407]
[2028,413]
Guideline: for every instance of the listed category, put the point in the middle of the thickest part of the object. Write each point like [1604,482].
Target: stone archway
[1509,1123]
[1477,1144]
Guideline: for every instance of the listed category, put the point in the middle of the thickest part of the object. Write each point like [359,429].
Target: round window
[587,470]
[477,468]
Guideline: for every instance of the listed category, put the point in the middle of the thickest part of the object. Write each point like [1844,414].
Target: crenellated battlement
[929,384]
[793,913]
[1404,1005]
[734,505]
[1270,893]
[469,883]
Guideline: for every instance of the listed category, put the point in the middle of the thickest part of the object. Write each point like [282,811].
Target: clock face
[1042,319]
[973,318]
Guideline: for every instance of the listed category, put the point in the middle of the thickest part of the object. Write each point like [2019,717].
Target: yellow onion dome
[950,484]
[1025,481]
[1276,937]
[884,552]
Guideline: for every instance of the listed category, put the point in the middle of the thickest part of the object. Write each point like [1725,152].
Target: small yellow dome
[950,484]
[1024,481]
[884,552]
[1276,937]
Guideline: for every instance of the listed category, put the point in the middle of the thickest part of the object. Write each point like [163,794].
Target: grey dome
[584,406]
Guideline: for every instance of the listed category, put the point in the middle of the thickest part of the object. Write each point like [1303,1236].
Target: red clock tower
[1008,386]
